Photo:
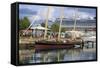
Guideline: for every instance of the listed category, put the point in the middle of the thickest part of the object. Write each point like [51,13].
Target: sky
[38,12]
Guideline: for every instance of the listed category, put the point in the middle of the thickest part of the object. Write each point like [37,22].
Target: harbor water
[88,52]
[76,54]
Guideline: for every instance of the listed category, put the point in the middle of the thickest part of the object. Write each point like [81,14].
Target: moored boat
[47,45]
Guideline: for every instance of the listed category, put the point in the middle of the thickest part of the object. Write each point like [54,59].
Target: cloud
[41,11]
[70,14]
[84,15]
[27,11]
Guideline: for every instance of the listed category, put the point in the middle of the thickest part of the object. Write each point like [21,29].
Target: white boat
[75,34]
[89,38]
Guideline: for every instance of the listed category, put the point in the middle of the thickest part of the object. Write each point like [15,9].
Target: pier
[89,42]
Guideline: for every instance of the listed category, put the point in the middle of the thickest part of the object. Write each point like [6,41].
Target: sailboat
[74,33]
[58,44]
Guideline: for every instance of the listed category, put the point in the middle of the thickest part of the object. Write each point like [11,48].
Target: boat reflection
[59,55]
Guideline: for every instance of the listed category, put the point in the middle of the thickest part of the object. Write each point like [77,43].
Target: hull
[54,45]
[40,46]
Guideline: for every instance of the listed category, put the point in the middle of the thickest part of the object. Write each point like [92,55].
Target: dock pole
[82,44]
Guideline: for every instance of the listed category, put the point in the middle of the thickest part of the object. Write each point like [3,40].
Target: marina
[59,40]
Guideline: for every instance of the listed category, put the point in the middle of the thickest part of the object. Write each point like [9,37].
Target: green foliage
[55,28]
[43,24]
[63,29]
[24,23]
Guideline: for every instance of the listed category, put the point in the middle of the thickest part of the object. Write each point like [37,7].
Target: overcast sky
[31,11]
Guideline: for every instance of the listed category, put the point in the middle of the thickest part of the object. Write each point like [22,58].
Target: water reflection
[58,55]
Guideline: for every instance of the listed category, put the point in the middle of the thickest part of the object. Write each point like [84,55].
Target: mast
[30,25]
[46,23]
[75,17]
[61,17]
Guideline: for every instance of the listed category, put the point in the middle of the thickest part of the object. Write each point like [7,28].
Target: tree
[24,23]
[43,24]
[63,29]
[55,28]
